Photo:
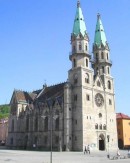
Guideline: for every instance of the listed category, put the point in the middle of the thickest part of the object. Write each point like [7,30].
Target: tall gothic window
[108,70]
[96,126]
[80,47]
[103,69]
[12,127]
[46,124]
[36,123]
[86,47]
[74,62]
[98,83]
[102,55]
[87,78]
[86,63]
[57,124]
[27,123]
[109,84]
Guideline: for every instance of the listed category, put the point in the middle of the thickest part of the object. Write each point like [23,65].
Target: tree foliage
[4,111]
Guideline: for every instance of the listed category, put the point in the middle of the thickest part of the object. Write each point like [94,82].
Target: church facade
[70,115]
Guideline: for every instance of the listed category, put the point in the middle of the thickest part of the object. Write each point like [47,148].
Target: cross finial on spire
[98,15]
[78,3]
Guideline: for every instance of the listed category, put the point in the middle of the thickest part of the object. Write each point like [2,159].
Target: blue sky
[35,43]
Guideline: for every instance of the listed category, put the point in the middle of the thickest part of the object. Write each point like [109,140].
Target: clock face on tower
[99,100]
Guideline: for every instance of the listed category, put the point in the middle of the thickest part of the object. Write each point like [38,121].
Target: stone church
[70,115]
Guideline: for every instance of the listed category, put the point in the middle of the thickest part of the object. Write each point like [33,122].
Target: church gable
[98,83]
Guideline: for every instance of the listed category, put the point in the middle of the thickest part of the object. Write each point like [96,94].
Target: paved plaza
[17,156]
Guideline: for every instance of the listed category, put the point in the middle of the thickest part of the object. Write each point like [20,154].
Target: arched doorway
[101,142]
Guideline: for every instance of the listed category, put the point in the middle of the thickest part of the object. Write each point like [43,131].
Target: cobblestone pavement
[17,156]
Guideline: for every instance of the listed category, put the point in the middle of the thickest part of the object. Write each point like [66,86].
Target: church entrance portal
[101,142]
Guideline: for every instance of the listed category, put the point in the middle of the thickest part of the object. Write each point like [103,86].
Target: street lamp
[108,138]
[51,103]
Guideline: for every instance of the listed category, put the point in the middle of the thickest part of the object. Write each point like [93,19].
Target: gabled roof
[24,96]
[100,37]
[52,91]
[79,26]
[122,116]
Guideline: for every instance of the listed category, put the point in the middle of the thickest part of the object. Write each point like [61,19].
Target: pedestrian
[88,149]
[118,152]
[85,150]
[128,153]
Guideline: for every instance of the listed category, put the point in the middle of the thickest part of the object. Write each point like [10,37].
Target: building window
[104,127]
[57,139]
[74,62]
[57,124]
[86,47]
[103,69]
[75,79]
[75,97]
[86,63]
[109,84]
[96,126]
[110,102]
[36,124]
[100,115]
[100,127]
[98,83]
[102,55]
[107,56]
[88,97]
[108,70]
[27,123]
[96,56]
[12,127]
[75,138]
[87,78]
[80,47]
[46,124]
[76,122]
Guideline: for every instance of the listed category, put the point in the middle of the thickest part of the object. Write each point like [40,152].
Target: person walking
[85,150]
[88,149]
[118,152]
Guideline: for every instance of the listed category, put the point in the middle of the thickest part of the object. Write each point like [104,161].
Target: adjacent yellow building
[123,130]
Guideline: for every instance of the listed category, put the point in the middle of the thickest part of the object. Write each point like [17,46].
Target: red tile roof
[122,116]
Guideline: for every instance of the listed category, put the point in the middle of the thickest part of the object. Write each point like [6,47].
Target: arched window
[46,124]
[107,56]
[96,56]
[102,55]
[36,124]
[75,78]
[80,47]
[86,63]
[27,123]
[86,47]
[57,124]
[12,127]
[87,78]
[104,127]
[108,70]
[100,127]
[100,115]
[103,69]
[110,102]
[74,62]
[109,84]
[96,126]
[98,83]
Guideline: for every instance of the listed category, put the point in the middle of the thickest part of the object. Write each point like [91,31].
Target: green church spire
[79,23]
[100,37]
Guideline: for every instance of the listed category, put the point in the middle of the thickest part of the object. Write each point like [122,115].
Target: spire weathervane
[98,15]
[78,3]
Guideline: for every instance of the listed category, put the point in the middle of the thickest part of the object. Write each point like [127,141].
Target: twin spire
[79,27]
